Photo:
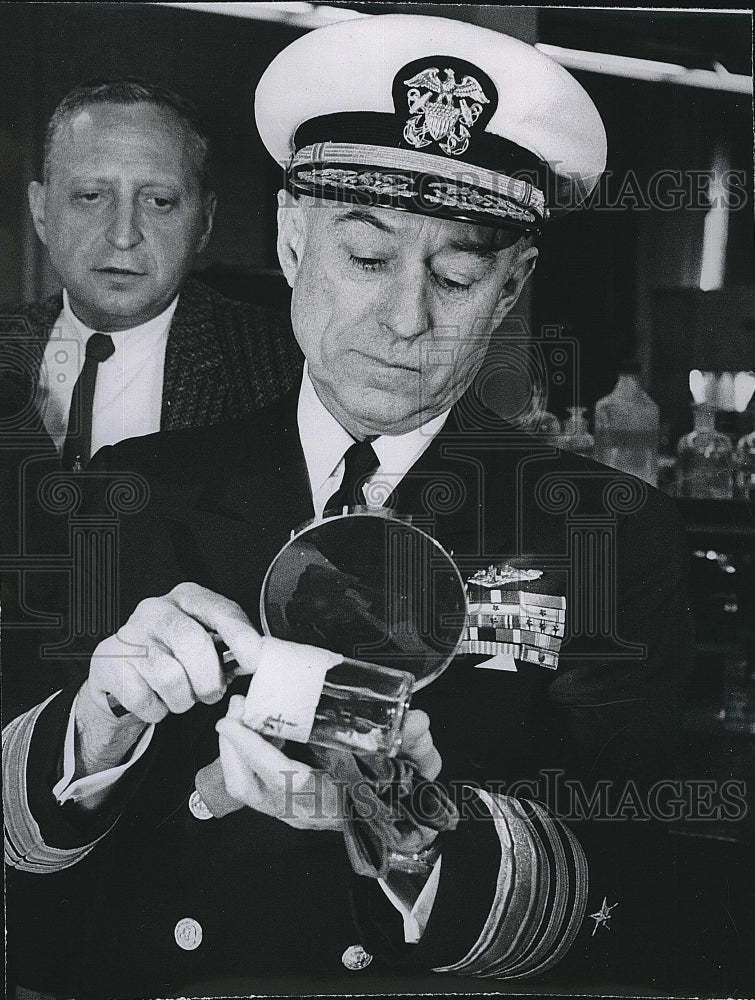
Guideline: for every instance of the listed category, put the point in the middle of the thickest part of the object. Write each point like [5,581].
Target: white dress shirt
[324,443]
[129,387]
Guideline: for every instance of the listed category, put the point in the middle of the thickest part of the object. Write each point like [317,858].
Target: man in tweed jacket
[123,210]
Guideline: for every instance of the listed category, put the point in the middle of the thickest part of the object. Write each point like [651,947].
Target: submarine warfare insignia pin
[497,576]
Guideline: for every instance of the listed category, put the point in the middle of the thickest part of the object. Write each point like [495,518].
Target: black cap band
[373,128]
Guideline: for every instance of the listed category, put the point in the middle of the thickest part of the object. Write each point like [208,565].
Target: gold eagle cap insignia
[442,110]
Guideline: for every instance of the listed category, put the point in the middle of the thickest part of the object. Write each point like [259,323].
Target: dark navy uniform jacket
[94,901]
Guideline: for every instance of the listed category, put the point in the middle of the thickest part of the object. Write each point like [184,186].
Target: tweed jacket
[96,903]
[223,359]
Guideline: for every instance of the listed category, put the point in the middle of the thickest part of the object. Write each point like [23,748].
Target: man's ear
[209,204]
[521,269]
[291,232]
[37,208]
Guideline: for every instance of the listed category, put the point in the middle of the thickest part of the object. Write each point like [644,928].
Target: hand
[417,744]
[384,805]
[418,747]
[161,661]
[258,774]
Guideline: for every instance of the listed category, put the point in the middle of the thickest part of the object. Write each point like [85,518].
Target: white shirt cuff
[416,918]
[68,790]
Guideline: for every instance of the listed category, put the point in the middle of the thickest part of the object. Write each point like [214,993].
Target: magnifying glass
[386,597]
[372,587]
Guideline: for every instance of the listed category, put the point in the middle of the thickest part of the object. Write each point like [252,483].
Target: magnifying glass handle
[227,663]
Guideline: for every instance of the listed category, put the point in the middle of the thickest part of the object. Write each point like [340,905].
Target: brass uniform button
[188,933]
[356,958]
[197,807]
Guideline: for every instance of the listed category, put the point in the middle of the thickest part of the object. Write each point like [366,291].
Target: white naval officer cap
[432,116]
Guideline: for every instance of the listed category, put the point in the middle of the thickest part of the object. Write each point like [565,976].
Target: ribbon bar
[530,627]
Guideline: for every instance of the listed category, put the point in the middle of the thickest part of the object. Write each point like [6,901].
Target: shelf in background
[718,517]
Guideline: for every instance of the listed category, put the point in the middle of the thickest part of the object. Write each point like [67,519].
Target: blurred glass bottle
[575,435]
[704,469]
[744,468]
[627,427]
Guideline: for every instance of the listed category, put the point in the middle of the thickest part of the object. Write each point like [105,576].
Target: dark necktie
[78,443]
[360,461]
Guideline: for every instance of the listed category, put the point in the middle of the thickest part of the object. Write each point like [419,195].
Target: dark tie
[78,443]
[360,461]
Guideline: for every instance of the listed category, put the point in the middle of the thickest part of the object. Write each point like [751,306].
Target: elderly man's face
[122,212]
[393,311]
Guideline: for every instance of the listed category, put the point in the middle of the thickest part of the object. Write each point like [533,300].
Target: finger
[421,750]
[139,699]
[275,784]
[162,623]
[168,679]
[240,780]
[417,743]
[431,765]
[147,621]
[416,730]
[224,617]
[416,723]
[267,760]
[191,644]
[113,672]
[247,770]
[427,762]
[236,708]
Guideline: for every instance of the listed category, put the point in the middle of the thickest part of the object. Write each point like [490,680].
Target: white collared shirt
[324,443]
[129,387]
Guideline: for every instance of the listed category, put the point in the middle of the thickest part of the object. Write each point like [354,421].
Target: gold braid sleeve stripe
[541,894]
[25,847]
